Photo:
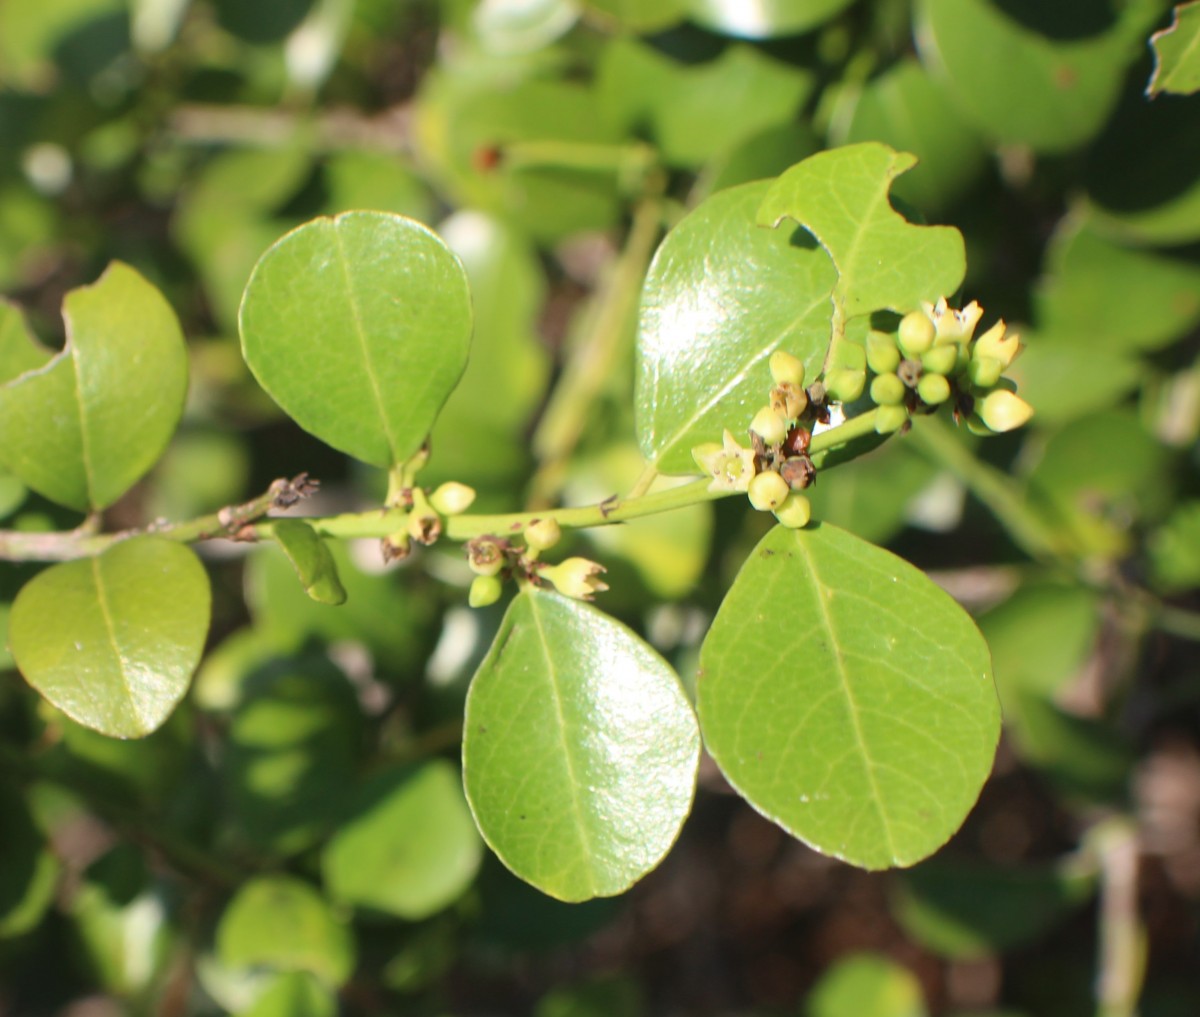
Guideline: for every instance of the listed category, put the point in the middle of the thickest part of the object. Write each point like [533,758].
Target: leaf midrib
[110,629]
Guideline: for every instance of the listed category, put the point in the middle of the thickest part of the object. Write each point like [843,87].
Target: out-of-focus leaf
[294,994]
[640,15]
[866,985]
[356,178]
[84,427]
[29,871]
[593,999]
[906,109]
[80,38]
[866,723]
[407,846]
[763,19]
[112,641]
[721,296]
[283,924]
[1177,53]
[579,749]
[693,112]
[359,327]
[1175,549]
[509,28]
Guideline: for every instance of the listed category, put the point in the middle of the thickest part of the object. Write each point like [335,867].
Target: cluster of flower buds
[494,559]
[935,359]
[423,523]
[776,467]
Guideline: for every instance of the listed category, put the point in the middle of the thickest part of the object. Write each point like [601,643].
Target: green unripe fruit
[849,355]
[890,418]
[916,334]
[787,369]
[883,356]
[887,390]
[769,426]
[768,491]
[933,389]
[984,371]
[940,359]
[845,385]
[485,590]
[795,511]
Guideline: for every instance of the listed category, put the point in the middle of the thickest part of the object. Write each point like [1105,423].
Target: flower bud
[917,333]
[883,356]
[998,344]
[575,577]
[542,535]
[768,491]
[984,371]
[890,418]
[887,390]
[795,511]
[451,498]
[933,389]
[1003,411]
[789,400]
[769,426]
[787,369]
[486,555]
[940,359]
[485,590]
[844,385]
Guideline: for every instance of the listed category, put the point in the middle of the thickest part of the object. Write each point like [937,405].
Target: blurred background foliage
[295,841]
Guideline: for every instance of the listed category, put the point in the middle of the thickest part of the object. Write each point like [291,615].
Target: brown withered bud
[797,441]
[788,400]
[910,372]
[799,472]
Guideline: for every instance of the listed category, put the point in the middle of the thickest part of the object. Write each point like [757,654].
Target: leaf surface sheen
[112,641]
[359,327]
[882,260]
[580,749]
[848,698]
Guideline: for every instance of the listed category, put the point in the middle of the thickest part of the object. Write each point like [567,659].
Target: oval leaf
[312,560]
[721,296]
[579,751]
[112,641]
[883,261]
[359,327]
[1177,54]
[848,698]
[83,428]
[409,848]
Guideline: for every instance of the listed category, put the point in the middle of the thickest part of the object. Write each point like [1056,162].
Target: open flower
[953,325]
[730,466]
[576,577]
[997,343]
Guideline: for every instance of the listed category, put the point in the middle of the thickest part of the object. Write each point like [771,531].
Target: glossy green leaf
[282,923]
[906,109]
[408,846]
[1120,298]
[1016,81]
[867,985]
[764,19]
[83,428]
[693,112]
[971,909]
[359,327]
[720,297]
[1177,53]
[848,698]
[579,749]
[112,641]
[312,560]
[841,197]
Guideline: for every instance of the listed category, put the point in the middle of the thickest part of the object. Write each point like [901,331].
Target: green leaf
[1119,298]
[29,870]
[19,351]
[906,109]
[640,15]
[966,910]
[89,423]
[867,985]
[408,847]
[359,327]
[720,297]
[282,923]
[1019,83]
[579,749]
[293,994]
[525,27]
[312,560]
[1177,54]
[695,111]
[841,197]
[764,19]
[1175,549]
[112,641]
[848,698]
